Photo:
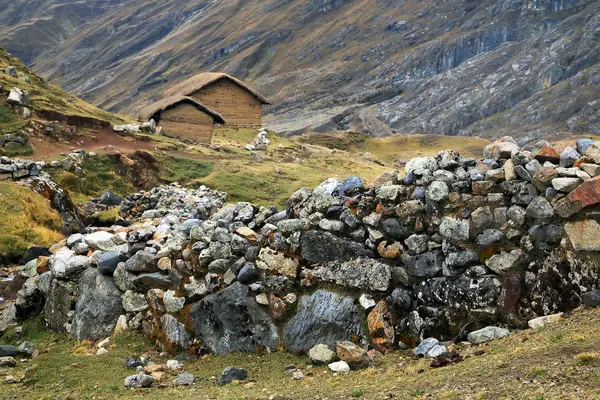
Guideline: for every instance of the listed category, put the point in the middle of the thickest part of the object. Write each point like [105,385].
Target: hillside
[458,67]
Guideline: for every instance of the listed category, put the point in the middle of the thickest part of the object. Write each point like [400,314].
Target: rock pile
[146,127]
[454,246]
[260,142]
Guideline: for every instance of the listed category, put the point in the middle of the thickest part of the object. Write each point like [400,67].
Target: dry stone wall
[454,245]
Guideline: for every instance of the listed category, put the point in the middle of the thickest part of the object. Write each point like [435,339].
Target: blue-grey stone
[107,262]
[322,318]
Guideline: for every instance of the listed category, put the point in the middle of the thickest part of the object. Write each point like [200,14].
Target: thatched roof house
[237,102]
[183,118]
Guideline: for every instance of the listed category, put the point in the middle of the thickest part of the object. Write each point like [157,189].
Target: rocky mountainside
[457,67]
[30,27]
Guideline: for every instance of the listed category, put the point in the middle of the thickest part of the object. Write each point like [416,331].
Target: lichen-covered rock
[584,235]
[273,261]
[362,273]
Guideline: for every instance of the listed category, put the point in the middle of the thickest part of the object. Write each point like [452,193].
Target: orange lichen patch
[582,160]
[380,324]
[389,251]
[489,251]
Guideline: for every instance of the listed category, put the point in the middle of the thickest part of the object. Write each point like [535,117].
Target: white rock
[339,366]
[366,301]
[18,96]
[262,299]
[101,351]
[174,365]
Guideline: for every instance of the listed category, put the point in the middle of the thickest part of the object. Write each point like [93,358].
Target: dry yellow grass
[25,219]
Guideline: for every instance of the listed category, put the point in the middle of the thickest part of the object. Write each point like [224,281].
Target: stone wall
[454,245]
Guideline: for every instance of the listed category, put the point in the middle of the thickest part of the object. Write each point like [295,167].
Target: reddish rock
[481,188]
[586,194]
[547,153]
[276,307]
[381,325]
[356,357]
[543,178]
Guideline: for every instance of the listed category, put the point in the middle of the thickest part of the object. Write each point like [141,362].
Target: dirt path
[96,140]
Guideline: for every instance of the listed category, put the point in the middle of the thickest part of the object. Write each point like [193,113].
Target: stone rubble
[455,240]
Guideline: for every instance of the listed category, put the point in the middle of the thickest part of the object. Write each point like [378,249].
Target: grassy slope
[272,180]
[25,219]
[558,361]
[46,96]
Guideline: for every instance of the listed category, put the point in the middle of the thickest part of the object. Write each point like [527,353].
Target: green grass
[525,365]
[183,170]
[25,219]
[102,172]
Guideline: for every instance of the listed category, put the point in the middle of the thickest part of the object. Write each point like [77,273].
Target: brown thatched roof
[204,79]
[150,111]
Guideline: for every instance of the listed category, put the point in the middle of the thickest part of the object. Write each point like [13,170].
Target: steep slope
[47,101]
[458,67]
[29,27]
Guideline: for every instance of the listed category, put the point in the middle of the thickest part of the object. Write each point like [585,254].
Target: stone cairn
[454,246]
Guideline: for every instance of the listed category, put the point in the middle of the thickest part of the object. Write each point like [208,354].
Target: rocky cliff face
[455,245]
[458,67]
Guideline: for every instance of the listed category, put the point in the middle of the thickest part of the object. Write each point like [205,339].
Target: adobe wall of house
[236,105]
[185,122]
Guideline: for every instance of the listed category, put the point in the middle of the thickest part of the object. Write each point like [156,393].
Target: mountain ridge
[456,68]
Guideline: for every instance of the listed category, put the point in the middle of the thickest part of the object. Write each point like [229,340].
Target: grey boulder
[322,318]
[98,307]
[231,320]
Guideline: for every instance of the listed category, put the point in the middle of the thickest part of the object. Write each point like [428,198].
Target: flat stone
[593,152]
[586,194]
[274,261]
[184,379]
[591,299]
[430,347]
[322,318]
[503,262]
[139,381]
[565,185]
[356,357]
[231,320]
[584,235]
[547,153]
[487,334]
[545,320]
[592,169]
